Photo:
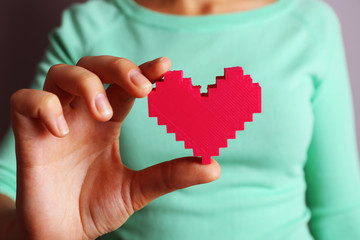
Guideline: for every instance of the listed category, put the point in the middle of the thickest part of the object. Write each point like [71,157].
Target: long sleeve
[67,44]
[54,54]
[332,169]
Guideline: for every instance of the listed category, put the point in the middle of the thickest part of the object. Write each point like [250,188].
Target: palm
[82,177]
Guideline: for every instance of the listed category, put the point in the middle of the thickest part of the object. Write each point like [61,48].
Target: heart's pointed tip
[205,160]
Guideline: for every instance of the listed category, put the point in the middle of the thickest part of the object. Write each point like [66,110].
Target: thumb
[155,181]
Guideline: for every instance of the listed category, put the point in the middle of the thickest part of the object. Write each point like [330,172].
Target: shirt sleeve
[66,46]
[332,168]
[80,26]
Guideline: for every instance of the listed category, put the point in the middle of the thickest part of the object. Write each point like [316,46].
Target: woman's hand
[71,181]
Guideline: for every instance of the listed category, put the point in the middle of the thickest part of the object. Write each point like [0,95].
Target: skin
[67,144]
[202,7]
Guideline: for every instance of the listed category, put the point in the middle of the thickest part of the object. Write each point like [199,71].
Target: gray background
[24,27]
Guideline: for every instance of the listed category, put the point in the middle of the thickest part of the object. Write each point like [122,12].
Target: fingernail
[102,105]
[139,80]
[62,125]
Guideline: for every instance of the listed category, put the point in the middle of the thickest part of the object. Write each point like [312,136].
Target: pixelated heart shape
[205,121]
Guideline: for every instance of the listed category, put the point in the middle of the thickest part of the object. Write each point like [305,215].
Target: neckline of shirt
[147,16]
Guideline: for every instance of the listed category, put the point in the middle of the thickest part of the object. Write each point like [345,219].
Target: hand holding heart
[71,181]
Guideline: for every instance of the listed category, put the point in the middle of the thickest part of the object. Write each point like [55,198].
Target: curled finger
[42,106]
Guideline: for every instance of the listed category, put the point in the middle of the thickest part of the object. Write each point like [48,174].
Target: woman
[292,174]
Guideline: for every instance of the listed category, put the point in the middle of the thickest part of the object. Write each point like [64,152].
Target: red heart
[204,121]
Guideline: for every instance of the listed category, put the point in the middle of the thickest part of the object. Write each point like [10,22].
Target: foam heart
[204,121]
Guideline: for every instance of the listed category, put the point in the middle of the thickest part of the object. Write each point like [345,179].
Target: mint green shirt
[293,173]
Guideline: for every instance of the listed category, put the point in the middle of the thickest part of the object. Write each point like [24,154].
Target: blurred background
[24,27]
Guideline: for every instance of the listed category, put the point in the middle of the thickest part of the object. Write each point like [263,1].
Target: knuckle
[16,96]
[49,101]
[55,68]
[86,79]
[53,71]
[82,60]
[169,178]
[118,65]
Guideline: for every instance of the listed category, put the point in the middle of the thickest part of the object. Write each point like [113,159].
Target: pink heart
[204,121]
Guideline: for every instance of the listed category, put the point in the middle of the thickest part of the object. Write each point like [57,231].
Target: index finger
[135,80]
